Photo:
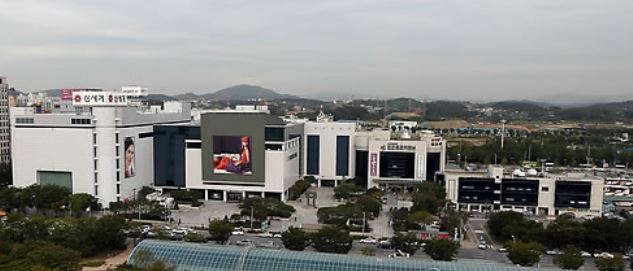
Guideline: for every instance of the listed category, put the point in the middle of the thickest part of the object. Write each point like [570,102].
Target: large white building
[400,156]
[5,145]
[494,190]
[223,154]
[85,150]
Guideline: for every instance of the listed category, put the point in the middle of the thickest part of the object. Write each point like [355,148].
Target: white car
[585,254]
[503,250]
[603,255]
[265,235]
[482,246]
[368,240]
[237,232]
[277,235]
[399,254]
[244,243]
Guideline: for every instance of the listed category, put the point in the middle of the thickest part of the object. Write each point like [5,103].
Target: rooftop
[192,257]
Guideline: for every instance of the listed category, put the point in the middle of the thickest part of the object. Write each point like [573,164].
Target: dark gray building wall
[169,153]
[235,124]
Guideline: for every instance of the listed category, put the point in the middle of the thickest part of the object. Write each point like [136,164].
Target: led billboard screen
[232,155]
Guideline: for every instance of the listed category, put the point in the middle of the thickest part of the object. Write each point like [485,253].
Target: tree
[441,250]
[369,204]
[294,239]
[610,264]
[82,202]
[570,259]
[406,242]
[54,257]
[9,199]
[509,225]
[421,217]
[345,190]
[332,239]
[220,230]
[429,197]
[264,207]
[564,232]
[108,233]
[525,254]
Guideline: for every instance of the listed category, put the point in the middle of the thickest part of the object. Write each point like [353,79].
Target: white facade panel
[53,149]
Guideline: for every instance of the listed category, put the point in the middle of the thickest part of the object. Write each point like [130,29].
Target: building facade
[111,150]
[103,150]
[5,136]
[494,190]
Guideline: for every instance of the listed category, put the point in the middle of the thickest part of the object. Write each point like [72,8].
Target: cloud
[456,49]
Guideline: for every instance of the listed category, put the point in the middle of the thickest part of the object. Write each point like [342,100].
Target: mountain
[246,92]
[159,97]
[186,96]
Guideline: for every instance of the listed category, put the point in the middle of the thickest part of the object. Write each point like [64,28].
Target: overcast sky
[477,50]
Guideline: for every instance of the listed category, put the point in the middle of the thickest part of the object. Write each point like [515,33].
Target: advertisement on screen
[129,150]
[232,155]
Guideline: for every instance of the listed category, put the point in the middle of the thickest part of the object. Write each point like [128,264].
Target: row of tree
[29,243]
[47,199]
[527,239]
[561,150]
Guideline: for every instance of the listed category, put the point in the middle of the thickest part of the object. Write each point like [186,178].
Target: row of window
[80,121]
[24,120]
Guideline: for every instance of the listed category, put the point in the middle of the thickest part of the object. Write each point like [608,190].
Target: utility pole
[503,132]
[363,222]
[252,213]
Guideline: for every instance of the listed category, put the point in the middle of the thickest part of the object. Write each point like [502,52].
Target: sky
[441,49]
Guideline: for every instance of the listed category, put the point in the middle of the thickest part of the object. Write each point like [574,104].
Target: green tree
[264,207]
[525,254]
[406,242]
[429,197]
[509,225]
[54,257]
[564,232]
[220,230]
[345,190]
[332,239]
[441,250]
[294,239]
[610,264]
[9,198]
[369,204]
[108,233]
[82,203]
[421,217]
[570,259]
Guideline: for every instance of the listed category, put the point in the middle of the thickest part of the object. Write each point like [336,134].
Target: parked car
[245,242]
[277,235]
[585,254]
[503,250]
[368,240]
[603,255]
[269,244]
[399,254]
[553,252]
[386,243]
[482,246]
[384,200]
[265,235]
[237,231]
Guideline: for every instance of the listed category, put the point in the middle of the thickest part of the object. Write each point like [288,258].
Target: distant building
[5,137]
[494,190]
